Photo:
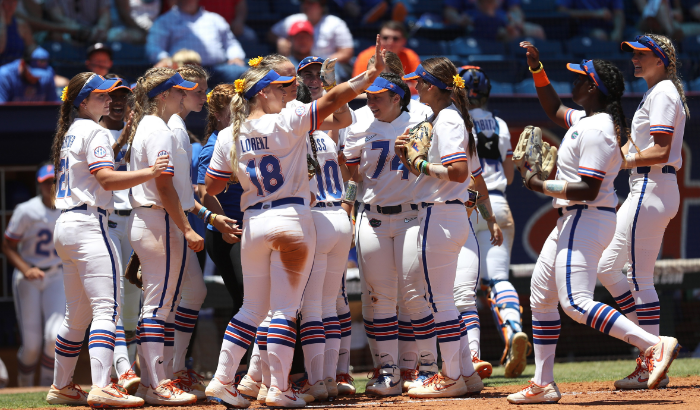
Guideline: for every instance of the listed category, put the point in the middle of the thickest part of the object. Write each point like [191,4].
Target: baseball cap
[176,81]
[97,84]
[270,78]
[422,73]
[99,47]
[44,173]
[586,68]
[301,26]
[645,43]
[308,61]
[381,85]
[124,85]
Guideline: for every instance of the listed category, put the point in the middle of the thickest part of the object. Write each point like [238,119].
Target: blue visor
[308,61]
[175,81]
[422,73]
[381,85]
[96,84]
[586,68]
[44,173]
[646,43]
[270,78]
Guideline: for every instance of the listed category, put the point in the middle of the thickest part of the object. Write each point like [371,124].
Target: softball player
[130,295]
[653,156]
[441,193]
[84,162]
[494,149]
[583,192]
[268,152]
[387,213]
[37,280]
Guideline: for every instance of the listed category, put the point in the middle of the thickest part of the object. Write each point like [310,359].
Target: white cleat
[639,378]
[346,384]
[168,394]
[331,387]
[262,394]
[225,394]
[388,383]
[659,359]
[474,384]
[425,372]
[190,382]
[130,381]
[317,390]
[534,393]
[440,386]
[408,376]
[71,395]
[372,377]
[249,388]
[112,396]
[289,398]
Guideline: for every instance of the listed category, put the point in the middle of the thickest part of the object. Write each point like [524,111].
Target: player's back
[493,145]
[32,224]
[330,181]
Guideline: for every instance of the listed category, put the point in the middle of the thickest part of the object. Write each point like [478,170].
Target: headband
[176,81]
[270,78]
[646,43]
[96,83]
[586,68]
[381,85]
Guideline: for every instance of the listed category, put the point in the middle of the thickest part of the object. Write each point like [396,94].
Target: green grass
[563,373]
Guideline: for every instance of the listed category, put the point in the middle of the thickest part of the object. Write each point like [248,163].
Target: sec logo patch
[163,153]
[100,152]
[300,111]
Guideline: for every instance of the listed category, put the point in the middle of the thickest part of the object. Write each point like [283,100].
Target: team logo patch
[163,153]
[301,110]
[407,220]
[574,135]
[100,152]
[112,224]
[375,223]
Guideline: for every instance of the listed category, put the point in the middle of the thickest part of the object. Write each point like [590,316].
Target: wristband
[211,219]
[631,160]
[555,189]
[540,76]
[536,71]
[201,212]
[206,216]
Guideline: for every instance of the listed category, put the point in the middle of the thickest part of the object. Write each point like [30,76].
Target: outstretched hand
[533,54]
[379,62]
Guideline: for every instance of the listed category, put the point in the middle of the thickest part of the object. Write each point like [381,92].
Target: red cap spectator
[301,27]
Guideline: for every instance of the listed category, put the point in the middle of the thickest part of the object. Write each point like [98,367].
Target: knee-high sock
[648,310]
[255,366]
[169,346]
[331,326]
[545,335]
[470,319]
[281,337]
[371,340]
[130,336]
[424,331]
[609,321]
[46,370]
[238,336]
[506,299]
[386,333]
[313,343]
[151,345]
[261,340]
[145,375]
[448,335]
[121,353]
[25,374]
[68,345]
[101,347]
[345,339]
[408,349]
[624,300]
[185,319]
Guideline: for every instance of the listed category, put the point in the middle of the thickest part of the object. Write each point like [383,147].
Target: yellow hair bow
[458,81]
[239,85]
[209,96]
[254,62]
[64,94]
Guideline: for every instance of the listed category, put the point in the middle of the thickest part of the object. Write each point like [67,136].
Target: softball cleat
[225,394]
[534,393]
[440,386]
[111,396]
[659,359]
[71,395]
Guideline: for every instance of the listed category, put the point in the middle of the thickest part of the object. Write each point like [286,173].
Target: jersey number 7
[396,164]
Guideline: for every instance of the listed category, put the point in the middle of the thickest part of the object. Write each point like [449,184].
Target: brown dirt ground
[684,393]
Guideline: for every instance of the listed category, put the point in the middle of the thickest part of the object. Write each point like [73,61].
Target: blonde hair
[240,108]
[193,73]
[672,70]
[219,99]
[273,60]
[186,56]
[392,61]
[139,101]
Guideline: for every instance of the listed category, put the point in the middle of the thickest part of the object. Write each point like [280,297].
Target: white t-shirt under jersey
[271,154]
[32,224]
[86,149]
[182,159]
[153,139]
[121,197]
[589,148]
[661,111]
[492,167]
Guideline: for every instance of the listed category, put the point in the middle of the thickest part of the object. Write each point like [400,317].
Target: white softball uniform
[279,237]
[39,304]
[90,263]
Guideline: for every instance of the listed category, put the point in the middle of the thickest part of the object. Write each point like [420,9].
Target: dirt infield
[683,393]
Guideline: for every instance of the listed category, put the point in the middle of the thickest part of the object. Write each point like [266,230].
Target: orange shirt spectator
[392,37]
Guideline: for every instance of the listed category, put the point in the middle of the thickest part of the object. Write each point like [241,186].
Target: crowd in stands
[132,35]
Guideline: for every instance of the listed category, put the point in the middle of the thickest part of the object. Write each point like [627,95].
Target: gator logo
[574,135]
[375,223]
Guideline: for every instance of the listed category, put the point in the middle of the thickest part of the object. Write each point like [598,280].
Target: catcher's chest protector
[487,147]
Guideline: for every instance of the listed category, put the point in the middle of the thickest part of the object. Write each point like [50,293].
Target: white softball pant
[91,280]
[495,260]
[40,306]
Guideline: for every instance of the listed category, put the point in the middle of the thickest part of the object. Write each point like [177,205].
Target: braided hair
[672,70]
[615,83]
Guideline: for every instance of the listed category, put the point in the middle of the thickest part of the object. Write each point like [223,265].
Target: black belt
[49,267]
[84,207]
[125,212]
[665,170]
[577,207]
[390,210]
[497,193]
[279,202]
[327,205]
[452,202]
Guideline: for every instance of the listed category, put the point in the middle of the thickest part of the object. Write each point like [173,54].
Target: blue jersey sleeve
[205,158]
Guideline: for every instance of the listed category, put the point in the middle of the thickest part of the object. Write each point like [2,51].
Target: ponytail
[217,100]
[672,70]
[612,77]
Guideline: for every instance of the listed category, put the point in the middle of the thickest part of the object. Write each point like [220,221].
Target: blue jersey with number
[32,226]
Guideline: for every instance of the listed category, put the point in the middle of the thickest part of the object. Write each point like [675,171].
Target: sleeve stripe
[457,156]
[10,235]
[101,164]
[568,117]
[353,161]
[216,174]
[661,129]
[663,126]
[314,117]
[477,172]
[590,172]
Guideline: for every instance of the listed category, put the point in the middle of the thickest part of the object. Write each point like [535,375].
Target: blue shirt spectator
[22,81]
[230,199]
[601,19]
[15,33]
[491,19]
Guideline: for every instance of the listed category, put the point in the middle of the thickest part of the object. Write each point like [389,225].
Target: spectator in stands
[236,13]
[135,19]
[32,11]
[15,33]
[92,15]
[301,37]
[601,19]
[23,80]
[99,59]
[392,37]
[463,13]
[662,17]
[332,38]
[371,11]
[187,25]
